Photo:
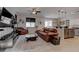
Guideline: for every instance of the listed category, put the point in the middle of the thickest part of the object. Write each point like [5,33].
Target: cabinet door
[66,33]
[71,33]
[76,32]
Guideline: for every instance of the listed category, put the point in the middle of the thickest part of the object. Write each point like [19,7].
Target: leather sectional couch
[21,31]
[49,35]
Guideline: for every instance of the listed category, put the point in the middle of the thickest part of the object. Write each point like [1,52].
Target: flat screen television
[6,16]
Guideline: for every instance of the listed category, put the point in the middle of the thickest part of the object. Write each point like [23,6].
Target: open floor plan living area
[39,29]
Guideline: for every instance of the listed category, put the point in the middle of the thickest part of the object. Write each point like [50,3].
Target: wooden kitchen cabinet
[66,33]
[69,33]
[76,31]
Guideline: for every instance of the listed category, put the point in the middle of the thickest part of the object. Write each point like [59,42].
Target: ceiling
[49,12]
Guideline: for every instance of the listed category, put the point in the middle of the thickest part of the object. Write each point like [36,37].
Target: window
[30,22]
[48,23]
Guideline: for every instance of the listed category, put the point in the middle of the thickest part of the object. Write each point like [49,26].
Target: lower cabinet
[76,31]
[66,33]
[69,33]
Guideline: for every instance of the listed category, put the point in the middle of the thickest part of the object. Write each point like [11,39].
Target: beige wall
[38,20]
[74,22]
[23,19]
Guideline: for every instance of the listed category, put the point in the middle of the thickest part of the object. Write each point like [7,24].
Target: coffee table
[31,37]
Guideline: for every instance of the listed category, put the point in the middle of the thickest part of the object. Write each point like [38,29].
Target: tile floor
[66,45]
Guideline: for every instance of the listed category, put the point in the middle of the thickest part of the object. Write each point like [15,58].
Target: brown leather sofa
[49,35]
[21,31]
[43,35]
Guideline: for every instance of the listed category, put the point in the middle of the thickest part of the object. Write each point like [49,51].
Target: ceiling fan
[36,11]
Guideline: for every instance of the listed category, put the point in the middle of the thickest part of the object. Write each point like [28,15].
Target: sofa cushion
[21,31]
[53,30]
[42,29]
[43,33]
[53,34]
